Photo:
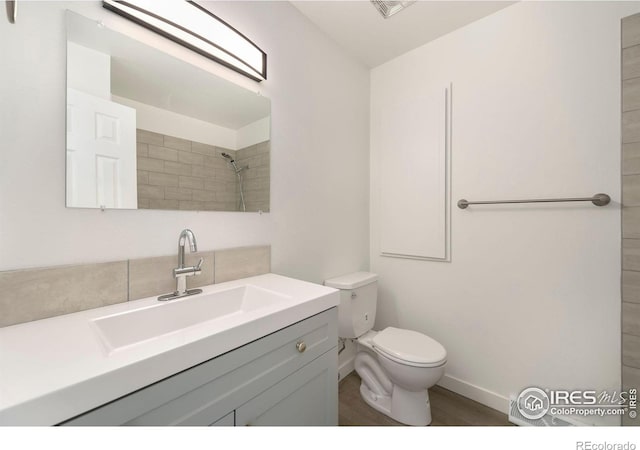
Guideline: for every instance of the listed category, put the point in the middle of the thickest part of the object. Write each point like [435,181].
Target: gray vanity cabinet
[300,399]
[289,377]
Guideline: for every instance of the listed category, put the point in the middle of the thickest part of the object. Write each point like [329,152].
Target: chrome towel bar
[598,200]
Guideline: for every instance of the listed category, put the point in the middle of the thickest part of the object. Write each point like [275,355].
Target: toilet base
[409,408]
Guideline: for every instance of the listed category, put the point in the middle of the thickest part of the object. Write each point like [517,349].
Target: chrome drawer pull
[301,346]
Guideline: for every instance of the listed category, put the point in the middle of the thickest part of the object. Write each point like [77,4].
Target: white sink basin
[138,325]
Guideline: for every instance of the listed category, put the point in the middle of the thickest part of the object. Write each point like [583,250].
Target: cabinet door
[307,397]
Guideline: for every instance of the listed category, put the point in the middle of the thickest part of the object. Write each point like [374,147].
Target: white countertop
[54,369]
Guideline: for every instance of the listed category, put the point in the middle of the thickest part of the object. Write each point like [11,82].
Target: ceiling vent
[389,7]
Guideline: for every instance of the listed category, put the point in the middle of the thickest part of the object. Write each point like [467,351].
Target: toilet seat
[409,348]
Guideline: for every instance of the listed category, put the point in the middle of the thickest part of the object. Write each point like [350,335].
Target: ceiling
[359,28]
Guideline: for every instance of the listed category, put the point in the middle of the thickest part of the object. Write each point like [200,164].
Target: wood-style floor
[447,408]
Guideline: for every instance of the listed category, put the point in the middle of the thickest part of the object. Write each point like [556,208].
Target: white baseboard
[480,395]
[346,368]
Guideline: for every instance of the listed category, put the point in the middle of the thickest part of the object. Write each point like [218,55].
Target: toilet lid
[410,346]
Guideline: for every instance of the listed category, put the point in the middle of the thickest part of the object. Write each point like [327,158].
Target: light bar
[191,25]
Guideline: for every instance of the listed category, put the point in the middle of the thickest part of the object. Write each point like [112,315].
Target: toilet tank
[358,299]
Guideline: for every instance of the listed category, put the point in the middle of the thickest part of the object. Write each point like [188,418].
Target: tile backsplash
[236,263]
[33,294]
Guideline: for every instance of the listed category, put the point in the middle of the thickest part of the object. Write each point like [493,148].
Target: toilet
[396,366]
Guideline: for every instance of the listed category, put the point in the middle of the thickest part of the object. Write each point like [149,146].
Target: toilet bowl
[397,386]
[397,366]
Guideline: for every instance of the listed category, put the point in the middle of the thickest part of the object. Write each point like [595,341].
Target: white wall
[173,124]
[254,133]
[89,71]
[319,192]
[532,295]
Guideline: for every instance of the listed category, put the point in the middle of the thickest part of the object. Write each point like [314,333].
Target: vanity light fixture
[193,26]
[390,7]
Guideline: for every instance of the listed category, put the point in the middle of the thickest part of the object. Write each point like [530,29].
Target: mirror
[148,131]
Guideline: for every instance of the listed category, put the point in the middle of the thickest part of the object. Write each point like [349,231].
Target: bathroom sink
[143,324]
[106,353]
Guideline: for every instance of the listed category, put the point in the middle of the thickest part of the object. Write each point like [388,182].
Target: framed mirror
[146,130]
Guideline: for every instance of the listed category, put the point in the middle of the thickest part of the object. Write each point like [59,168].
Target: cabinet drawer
[205,393]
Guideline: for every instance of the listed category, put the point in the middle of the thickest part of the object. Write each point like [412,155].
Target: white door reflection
[101,153]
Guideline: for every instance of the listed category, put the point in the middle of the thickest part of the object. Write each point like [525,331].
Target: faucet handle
[188,271]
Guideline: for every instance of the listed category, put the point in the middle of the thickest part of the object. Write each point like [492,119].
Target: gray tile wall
[175,173]
[631,206]
[33,294]
[256,179]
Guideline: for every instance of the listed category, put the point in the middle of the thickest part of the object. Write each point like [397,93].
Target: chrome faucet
[181,272]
